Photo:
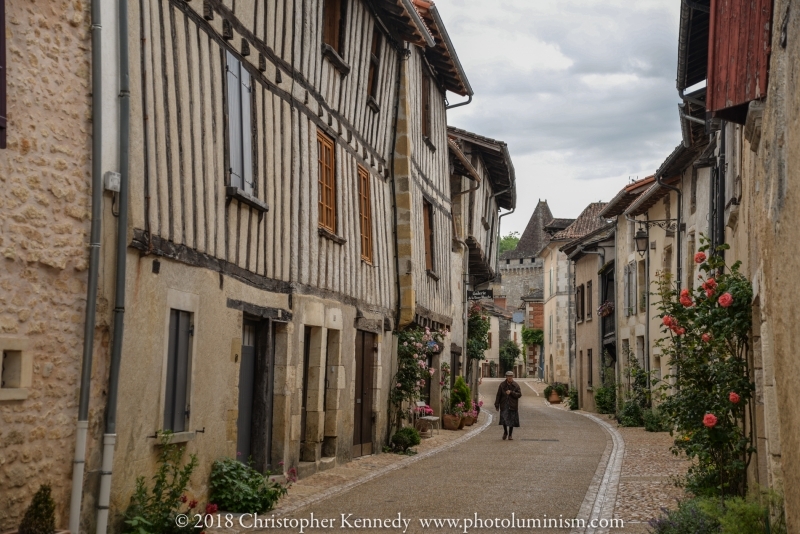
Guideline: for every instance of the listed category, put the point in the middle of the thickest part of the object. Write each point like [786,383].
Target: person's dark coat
[510,401]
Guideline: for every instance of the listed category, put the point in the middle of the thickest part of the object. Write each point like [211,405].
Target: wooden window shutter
[327,182]
[634,275]
[427,213]
[626,291]
[247,131]
[588,299]
[236,165]
[425,105]
[332,23]
[3,68]
[365,213]
[176,405]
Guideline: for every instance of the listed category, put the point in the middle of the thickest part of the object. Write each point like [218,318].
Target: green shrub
[573,399]
[509,352]
[405,438]
[688,518]
[238,488]
[605,398]
[631,414]
[561,389]
[655,421]
[154,510]
[747,516]
[40,516]
[460,393]
[547,391]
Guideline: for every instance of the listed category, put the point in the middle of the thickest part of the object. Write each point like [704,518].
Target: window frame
[332,24]
[174,373]
[588,311]
[428,235]
[425,105]
[365,213]
[326,180]
[373,74]
[239,124]
[589,380]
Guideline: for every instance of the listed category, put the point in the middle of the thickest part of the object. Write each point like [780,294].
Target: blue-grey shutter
[247,132]
[176,398]
[626,292]
[234,120]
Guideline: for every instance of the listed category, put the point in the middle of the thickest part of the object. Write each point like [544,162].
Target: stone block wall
[519,280]
[45,177]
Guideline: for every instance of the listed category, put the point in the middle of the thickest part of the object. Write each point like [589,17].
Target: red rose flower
[183,498]
[668,321]
[684,292]
[710,284]
[725,300]
[706,337]
[680,331]
[211,508]
[734,397]
[192,504]
[700,257]
[709,293]
[686,301]
[710,420]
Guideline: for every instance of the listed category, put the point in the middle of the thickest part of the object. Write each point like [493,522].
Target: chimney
[500,302]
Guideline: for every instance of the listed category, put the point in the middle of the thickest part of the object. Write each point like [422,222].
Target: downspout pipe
[79,461]
[467,101]
[110,435]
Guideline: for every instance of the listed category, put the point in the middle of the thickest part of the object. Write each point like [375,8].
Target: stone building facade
[45,173]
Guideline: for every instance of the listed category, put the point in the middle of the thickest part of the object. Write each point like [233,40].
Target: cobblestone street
[561,464]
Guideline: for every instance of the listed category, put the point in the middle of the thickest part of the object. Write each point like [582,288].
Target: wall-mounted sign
[480,294]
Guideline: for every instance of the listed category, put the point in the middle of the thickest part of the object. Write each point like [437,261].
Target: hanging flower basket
[605,309]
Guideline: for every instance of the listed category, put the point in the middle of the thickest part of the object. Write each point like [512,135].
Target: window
[489,337]
[365,212]
[240,126]
[425,105]
[641,283]
[629,280]
[550,274]
[16,369]
[176,398]
[579,303]
[550,330]
[427,223]
[332,22]
[327,183]
[3,124]
[589,301]
[690,265]
[374,62]
[589,367]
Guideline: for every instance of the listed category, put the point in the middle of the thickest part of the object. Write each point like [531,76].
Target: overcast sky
[583,92]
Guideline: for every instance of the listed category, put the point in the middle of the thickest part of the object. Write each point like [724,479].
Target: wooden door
[247,368]
[362,403]
[304,402]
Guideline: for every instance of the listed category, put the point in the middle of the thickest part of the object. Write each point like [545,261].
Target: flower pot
[450,422]
[469,420]
[462,422]
[554,398]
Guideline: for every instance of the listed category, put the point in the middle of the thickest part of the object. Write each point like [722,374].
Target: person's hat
[509,373]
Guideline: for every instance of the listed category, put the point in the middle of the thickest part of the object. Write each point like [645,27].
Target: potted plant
[605,309]
[553,394]
[40,517]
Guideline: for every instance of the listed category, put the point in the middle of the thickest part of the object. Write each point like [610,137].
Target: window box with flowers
[605,309]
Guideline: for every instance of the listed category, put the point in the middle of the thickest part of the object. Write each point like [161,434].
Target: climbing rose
[668,321]
[399,385]
[734,397]
[685,299]
[725,300]
[710,420]
[699,257]
[706,337]
[211,508]
[710,284]
[192,504]
[183,498]
[431,371]
[680,331]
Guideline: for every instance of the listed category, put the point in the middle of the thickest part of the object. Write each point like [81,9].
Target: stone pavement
[561,464]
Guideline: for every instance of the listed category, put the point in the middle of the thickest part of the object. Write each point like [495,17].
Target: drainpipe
[79,462]
[459,104]
[110,435]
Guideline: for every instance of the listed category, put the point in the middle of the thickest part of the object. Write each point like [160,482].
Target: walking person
[507,403]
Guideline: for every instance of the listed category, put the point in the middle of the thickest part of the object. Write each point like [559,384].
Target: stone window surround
[189,302]
[17,344]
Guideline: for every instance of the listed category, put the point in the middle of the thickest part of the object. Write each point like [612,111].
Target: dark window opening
[425,106]
[333,17]
[427,222]
[374,63]
[176,405]
[327,183]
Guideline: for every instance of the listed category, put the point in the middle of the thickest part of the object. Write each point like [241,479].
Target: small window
[550,330]
[589,301]
[425,106]
[374,63]
[521,261]
[365,213]
[327,183]
[490,339]
[508,262]
[176,405]
[427,222]
[240,126]
[16,369]
[332,22]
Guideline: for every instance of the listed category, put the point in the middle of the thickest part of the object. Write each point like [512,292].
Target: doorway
[256,369]
[362,404]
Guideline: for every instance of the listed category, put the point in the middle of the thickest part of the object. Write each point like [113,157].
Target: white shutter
[234,120]
[246,133]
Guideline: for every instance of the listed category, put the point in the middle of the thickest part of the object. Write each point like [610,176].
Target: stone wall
[518,280]
[45,176]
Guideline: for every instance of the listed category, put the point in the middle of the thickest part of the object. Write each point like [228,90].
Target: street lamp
[641,242]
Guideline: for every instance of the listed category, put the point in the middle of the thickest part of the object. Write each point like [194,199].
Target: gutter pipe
[110,435]
[467,101]
[79,461]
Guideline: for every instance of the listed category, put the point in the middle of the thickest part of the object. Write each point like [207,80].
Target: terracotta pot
[470,420]
[554,398]
[450,422]
[462,422]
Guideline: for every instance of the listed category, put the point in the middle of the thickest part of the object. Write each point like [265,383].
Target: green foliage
[238,488]
[509,352]
[573,399]
[547,391]
[40,516]
[153,511]
[404,439]
[688,518]
[461,395]
[654,421]
[706,345]
[477,332]
[415,346]
[532,337]
[508,242]
[631,414]
[560,389]
[605,398]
